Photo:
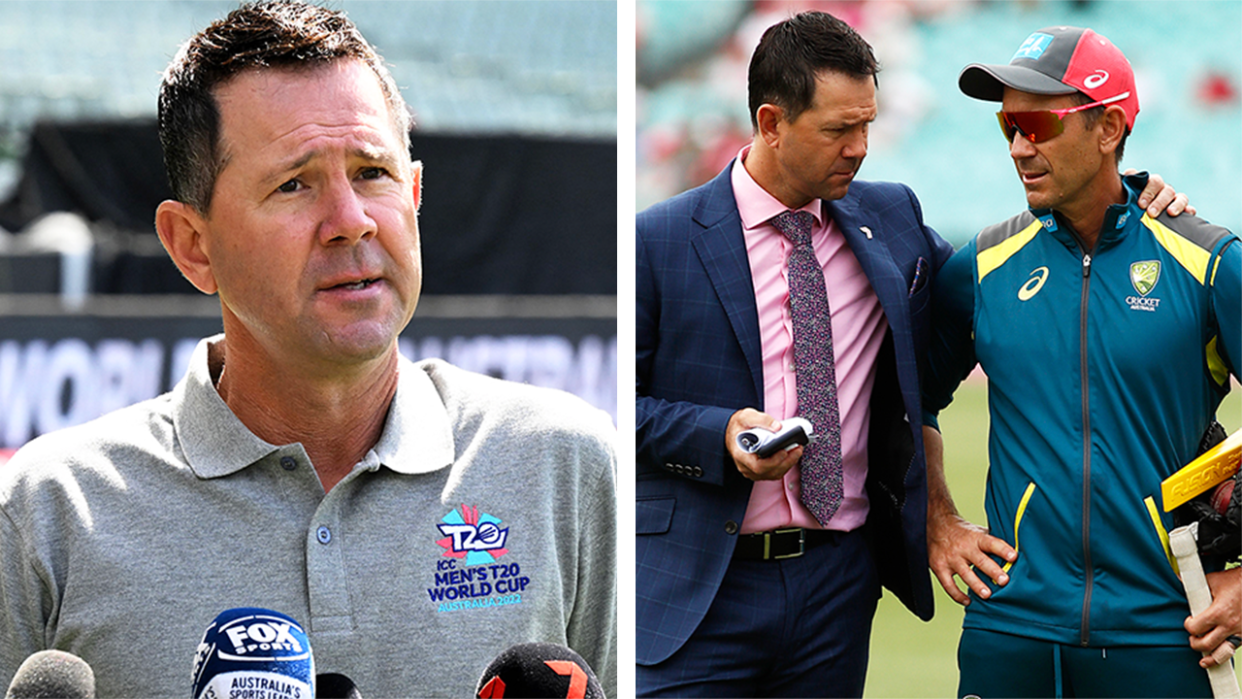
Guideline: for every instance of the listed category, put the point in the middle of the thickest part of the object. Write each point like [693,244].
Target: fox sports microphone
[254,652]
[530,670]
[52,673]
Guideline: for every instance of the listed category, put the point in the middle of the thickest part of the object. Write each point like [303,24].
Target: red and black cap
[1058,61]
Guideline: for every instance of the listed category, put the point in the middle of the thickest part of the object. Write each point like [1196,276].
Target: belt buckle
[801,544]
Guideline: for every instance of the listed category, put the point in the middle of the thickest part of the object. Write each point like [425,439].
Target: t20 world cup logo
[478,538]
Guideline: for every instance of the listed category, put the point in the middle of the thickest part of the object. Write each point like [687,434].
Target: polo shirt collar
[214,441]
[417,436]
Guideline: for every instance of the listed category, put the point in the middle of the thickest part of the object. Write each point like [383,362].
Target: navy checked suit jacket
[698,362]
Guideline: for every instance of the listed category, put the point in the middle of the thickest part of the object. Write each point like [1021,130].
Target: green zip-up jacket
[1104,369]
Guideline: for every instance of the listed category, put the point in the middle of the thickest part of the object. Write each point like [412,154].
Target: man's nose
[856,144]
[1020,146]
[344,218]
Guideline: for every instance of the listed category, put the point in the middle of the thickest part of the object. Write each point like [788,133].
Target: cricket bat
[1209,469]
[1183,542]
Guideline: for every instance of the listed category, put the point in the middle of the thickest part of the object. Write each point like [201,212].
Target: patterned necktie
[814,368]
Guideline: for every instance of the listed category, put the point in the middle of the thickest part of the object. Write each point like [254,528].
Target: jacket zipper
[1086,455]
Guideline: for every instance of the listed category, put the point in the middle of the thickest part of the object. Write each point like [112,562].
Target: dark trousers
[798,627]
[1001,665]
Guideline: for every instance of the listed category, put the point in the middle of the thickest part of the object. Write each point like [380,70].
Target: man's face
[820,151]
[1056,173]
[312,232]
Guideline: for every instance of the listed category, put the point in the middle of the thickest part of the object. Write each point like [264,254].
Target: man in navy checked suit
[719,618]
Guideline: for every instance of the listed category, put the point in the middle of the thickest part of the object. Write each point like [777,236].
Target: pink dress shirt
[858,328]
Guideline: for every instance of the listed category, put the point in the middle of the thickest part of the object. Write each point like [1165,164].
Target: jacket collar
[1119,219]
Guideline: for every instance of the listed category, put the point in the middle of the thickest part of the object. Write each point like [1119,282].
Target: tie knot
[796,225]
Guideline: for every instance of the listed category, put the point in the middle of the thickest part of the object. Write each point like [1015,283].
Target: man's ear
[181,229]
[416,168]
[1113,123]
[768,118]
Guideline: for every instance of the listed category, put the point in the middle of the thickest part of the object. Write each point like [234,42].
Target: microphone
[253,652]
[530,670]
[334,685]
[53,673]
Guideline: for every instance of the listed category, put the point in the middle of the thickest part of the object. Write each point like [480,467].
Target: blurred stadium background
[692,60]
[515,105]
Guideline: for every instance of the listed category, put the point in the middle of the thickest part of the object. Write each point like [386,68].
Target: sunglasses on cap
[1037,127]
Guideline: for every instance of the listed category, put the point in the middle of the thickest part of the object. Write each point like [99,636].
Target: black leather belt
[781,543]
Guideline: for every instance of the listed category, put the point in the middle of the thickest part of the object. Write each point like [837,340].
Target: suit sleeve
[951,354]
[670,433]
[940,248]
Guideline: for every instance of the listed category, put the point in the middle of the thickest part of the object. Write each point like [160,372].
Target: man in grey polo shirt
[415,518]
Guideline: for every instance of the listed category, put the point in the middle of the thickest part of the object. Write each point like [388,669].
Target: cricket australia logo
[1143,277]
[478,538]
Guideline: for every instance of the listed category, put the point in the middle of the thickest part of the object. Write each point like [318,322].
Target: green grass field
[910,658]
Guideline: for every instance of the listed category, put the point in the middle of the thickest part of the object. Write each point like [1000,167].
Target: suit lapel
[874,258]
[721,249]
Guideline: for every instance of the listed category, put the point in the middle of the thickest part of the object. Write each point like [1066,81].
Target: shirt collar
[417,436]
[754,204]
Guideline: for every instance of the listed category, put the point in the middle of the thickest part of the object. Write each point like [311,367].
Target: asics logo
[1032,286]
[1096,79]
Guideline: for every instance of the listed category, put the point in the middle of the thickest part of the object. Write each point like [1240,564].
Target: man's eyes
[368,173]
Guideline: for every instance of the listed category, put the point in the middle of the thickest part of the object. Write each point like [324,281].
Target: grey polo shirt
[483,517]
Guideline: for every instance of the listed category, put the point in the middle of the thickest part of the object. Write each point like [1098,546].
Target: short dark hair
[792,54]
[272,34]
[1091,116]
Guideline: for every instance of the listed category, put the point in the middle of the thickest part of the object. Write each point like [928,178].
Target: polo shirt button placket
[327,570]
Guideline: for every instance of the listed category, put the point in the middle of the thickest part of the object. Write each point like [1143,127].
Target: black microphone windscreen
[530,670]
[334,685]
[53,674]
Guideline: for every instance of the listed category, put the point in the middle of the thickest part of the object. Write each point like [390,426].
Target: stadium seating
[545,68]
